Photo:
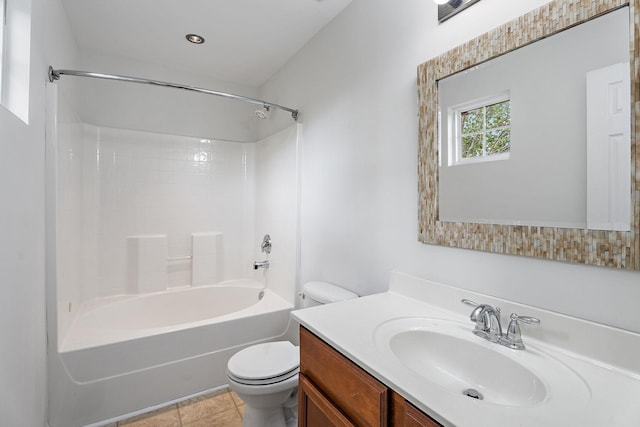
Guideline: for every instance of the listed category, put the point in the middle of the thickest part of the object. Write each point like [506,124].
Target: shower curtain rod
[55,75]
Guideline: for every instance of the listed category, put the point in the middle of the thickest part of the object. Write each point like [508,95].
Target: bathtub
[124,354]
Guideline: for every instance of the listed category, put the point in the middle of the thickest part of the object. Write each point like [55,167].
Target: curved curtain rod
[55,75]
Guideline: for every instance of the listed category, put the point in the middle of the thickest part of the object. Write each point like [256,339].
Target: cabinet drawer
[357,394]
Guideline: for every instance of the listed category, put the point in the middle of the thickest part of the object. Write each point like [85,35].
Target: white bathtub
[110,320]
[125,354]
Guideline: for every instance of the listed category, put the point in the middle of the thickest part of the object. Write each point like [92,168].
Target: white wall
[22,252]
[355,84]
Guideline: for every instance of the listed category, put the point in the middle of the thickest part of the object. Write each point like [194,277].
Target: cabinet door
[315,410]
[404,414]
[415,418]
[359,396]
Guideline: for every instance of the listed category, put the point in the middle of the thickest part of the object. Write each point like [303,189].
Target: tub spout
[261,264]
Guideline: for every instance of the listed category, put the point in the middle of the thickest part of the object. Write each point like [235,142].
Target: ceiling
[247,41]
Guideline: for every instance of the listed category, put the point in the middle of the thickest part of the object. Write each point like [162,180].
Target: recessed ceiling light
[194,38]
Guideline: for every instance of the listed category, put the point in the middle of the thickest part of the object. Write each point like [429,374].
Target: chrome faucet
[487,321]
[265,247]
[488,325]
[261,264]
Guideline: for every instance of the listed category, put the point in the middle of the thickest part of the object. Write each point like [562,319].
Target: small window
[15,56]
[3,21]
[482,130]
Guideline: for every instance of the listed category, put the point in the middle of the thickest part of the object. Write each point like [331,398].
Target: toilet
[265,376]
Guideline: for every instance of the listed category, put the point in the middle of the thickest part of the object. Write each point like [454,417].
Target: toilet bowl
[265,376]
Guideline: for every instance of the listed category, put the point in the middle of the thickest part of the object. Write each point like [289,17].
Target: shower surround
[144,214]
[125,193]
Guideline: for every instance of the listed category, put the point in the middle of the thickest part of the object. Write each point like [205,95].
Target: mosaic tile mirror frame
[616,249]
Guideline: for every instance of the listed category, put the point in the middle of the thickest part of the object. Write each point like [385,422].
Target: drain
[472,393]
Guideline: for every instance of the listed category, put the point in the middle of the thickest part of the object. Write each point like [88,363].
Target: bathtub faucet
[261,264]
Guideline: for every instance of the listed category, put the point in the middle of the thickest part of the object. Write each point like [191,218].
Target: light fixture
[195,38]
[452,3]
[448,8]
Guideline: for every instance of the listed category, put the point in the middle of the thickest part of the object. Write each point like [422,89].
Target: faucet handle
[469,302]
[525,319]
[513,338]
[265,246]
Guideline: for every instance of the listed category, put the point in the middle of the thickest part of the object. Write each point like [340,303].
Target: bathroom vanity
[408,357]
[333,391]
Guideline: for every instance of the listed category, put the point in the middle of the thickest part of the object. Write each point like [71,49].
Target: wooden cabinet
[404,414]
[413,417]
[315,410]
[357,395]
[336,392]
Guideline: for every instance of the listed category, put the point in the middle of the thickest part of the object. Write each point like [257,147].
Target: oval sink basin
[447,354]
[458,364]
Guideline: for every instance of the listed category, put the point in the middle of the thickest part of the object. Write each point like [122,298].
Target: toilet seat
[263,381]
[264,364]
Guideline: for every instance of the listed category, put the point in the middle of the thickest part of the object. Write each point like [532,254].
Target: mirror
[476,132]
[539,175]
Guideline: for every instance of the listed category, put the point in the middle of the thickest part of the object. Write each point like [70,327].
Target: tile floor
[220,409]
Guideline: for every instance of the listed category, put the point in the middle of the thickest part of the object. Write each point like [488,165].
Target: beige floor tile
[229,418]
[218,392]
[239,403]
[236,398]
[165,417]
[241,410]
[205,407]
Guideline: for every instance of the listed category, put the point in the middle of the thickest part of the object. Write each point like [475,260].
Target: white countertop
[605,360]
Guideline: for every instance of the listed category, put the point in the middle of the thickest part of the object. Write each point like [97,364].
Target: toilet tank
[317,293]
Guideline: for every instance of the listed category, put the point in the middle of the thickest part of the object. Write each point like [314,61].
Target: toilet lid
[263,361]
